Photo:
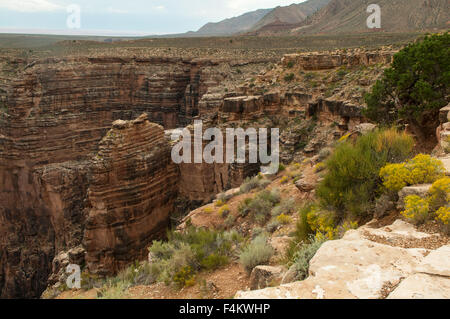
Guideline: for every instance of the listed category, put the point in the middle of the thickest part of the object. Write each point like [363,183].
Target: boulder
[289,276]
[444,114]
[446,162]
[305,185]
[120,124]
[76,255]
[265,276]
[280,244]
[383,205]
[365,128]
[422,286]
[419,190]
[229,193]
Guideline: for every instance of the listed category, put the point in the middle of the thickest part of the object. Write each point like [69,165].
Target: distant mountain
[349,16]
[285,18]
[232,26]
[331,17]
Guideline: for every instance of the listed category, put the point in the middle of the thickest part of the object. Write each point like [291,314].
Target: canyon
[85,167]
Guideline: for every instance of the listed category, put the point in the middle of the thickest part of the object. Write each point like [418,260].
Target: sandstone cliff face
[131,195]
[53,114]
[61,188]
[324,61]
[200,182]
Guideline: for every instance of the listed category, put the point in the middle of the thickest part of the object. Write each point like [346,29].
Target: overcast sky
[124,17]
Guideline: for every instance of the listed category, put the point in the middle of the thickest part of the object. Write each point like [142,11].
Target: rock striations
[131,195]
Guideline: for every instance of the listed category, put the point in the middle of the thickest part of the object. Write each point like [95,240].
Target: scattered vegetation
[284,179]
[422,169]
[258,252]
[289,77]
[251,183]
[224,211]
[184,254]
[286,207]
[443,216]
[208,209]
[303,256]
[260,207]
[439,193]
[417,209]
[220,203]
[284,219]
[435,205]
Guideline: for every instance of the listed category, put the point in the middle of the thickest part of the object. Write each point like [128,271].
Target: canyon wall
[131,195]
[80,166]
[62,186]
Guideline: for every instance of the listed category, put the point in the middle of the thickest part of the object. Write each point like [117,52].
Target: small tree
[415,87]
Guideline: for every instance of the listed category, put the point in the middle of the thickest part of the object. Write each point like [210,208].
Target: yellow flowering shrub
[224,211]
[322,223]
[416,210]
[208,210]
[421,169]
[443,216]
[345,137]
[425,169]
[284,219]
[185,277]
[319,167]
[395,176]
[439,193]
[348,225]
[284,180]
[220,203]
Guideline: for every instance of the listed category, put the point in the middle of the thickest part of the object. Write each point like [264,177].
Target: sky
[119,17]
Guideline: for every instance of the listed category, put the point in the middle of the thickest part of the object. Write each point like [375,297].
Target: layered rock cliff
[53,114]
[71,178]
[131,194]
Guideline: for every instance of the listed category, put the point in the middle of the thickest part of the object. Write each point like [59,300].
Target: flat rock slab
[437,263]
[422,286]
[357,267]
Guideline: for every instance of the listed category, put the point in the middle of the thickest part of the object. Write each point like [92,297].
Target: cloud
[30,5]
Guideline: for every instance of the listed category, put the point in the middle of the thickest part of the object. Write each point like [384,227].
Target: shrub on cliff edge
[352,178]
[415,87]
